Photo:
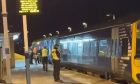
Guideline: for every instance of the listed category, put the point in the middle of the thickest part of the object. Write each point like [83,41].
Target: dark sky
[59,14]
[55,15]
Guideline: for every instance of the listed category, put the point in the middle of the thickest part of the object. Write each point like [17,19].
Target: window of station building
[103,48]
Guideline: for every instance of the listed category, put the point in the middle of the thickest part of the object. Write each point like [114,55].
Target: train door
[115,50]
[121,52]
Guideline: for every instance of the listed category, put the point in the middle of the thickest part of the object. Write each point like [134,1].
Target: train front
[135,59]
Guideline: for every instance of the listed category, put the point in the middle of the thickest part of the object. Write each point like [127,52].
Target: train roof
[95,28]
[107,24]
[110,24]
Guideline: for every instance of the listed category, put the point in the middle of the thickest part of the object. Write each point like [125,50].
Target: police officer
[56,62]
[45,59]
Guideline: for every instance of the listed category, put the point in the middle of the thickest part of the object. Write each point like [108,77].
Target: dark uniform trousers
[56,71]
[45,63]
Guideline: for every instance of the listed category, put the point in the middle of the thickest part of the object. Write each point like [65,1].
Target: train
[113,50]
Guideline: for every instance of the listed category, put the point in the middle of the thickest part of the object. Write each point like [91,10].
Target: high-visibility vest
[44,52]
[54,55]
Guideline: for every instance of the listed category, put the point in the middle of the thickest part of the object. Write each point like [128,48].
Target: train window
[69,47]
[64,45]
[103,48]
[86,48]
[93,48]
[80,49]
[138,40]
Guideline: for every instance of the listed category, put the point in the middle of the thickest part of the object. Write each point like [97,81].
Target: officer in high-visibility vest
[44,52]
[56,62]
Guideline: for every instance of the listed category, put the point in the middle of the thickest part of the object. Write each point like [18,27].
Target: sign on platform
[29,6]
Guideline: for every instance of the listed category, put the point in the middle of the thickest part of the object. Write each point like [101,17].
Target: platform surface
[38,76]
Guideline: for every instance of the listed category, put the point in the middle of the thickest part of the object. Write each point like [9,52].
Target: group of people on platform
[41,56]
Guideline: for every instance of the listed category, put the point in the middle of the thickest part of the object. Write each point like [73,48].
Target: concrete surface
[40,77]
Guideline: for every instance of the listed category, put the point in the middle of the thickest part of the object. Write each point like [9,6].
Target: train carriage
[103,50]
[113,50]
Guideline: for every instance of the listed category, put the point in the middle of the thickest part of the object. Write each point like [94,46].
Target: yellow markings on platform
[19,57]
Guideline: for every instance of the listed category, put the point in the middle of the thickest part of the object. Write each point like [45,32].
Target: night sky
[60,14]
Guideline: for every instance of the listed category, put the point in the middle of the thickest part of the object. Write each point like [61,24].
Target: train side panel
[100,51]
[90,50]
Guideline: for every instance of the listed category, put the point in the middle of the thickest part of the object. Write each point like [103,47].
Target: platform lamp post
[6,42]
[57,34]
[44,37]
[27,7]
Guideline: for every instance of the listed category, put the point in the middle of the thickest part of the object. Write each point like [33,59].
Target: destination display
[29,6]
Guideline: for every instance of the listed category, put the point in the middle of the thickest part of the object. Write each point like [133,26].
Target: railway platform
[38,76]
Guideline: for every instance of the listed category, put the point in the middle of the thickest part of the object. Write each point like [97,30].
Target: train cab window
[103,48]
[138,41]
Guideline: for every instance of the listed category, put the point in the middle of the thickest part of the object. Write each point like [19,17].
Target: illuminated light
[29,6]
[108,15]
[38,43]
[15,37]
[70,29]
[44,36]
[84,24]
[50,34]
[113,16]
[57,32]
[76,41]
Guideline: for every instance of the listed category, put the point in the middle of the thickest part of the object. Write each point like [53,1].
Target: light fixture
[44,36]
[70,29]
[50,34]
[38,43]
[84,25]
[111,15]
[57,32]
[15,37]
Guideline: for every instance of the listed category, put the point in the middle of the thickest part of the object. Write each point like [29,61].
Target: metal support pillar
[26,50]
[6,47]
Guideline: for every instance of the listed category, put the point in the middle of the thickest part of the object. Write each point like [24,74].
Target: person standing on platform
[45,58]
[31,56]
[38,58]
[35,58]
[34,54]
[56,63]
